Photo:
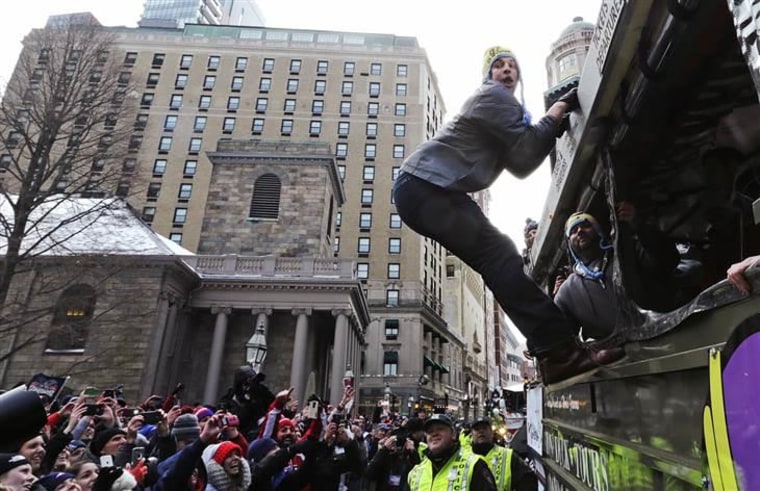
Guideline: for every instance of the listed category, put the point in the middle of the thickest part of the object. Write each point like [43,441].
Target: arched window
[265,204]
[71,319]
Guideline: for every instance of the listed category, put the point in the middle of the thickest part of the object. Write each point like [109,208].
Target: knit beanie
[51,481]
[186,428]
[581,217]
[9,461]
[530,225]
[491,56]
[203,412]
[102,437]
[224,450]
[259,449]
[286,422]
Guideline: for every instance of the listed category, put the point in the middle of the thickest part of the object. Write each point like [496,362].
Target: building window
[319,87]
[241,63]
[400,109]
[71,319]
[365,220]
[295,66]
[402,70]
[395,170]
[390,363]
[338,219]
[322,67]
[190,168]
[261,104]
[375,69]
[286,127]
[237,84]
[141,122]
[367,196]
[391,328]
[176,102]
[315,128]
[265,84]
[450,271]
[345,108]
[195,145]
[129,58]
[233,103]
[265,203]
[165,144]
[209,81]
[342,172]
[228,126]
[400,90]
[185,62]
[399,130]
[398,151]
[348,68]
[363,245]
[289,106]
[135,141]
[148,214]
[394,271]
[170,122]
[373,109]
[267,65]
[180,216]
[371,131]
[158,60]
[347,87]
[341,150]
[258,126]
[146,100]
[391,297]
[129,166]
[370,151]
[185,191]
[292,87]
[374,89]
[336,246]
[152,80]
[394,246]
[176,237]
[154,191]
[395,221]
[213,62]
[362,271]
[317,106]
[204,102]
[180,82]
[343,128]
[200,123]
[368,173]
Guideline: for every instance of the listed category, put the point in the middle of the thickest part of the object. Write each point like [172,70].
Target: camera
[230,420]
[93,410]
[401,436]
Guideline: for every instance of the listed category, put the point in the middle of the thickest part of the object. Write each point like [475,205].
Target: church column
[298,367]
[211,390]
[340,348]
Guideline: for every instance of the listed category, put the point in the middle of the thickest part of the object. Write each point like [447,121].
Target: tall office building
[372,97]
[242,13]
[177,13]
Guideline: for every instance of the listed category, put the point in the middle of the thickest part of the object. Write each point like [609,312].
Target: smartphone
[106,461]
[230,420]
[91,392]
[109,393]
[152,417]
[93,410]
[138,453]
[348,381]
[313,410]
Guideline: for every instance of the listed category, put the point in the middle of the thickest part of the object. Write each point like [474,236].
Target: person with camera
[448,465]
[509,470]
[395,457]
[336,457]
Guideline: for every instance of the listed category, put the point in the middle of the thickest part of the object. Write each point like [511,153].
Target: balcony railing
[272,266]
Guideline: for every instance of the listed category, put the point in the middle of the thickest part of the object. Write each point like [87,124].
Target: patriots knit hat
[580,217]
[258,449]
[224,450]
[186,427]
[286,422]
[51,481]
[102,438]
[9,461]
[493,54]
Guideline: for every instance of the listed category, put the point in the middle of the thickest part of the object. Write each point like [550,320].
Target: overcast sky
[454,36]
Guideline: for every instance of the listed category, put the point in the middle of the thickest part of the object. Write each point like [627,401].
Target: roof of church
[578,25]
[67,226]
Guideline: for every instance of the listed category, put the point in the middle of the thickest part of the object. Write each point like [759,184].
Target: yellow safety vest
[456,474]
[499,460]
[420,449]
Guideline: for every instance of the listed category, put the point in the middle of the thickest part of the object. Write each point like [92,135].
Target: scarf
[221,481]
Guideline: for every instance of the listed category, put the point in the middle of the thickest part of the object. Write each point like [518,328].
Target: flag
[48,386]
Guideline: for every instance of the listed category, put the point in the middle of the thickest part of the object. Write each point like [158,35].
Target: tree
[66,121]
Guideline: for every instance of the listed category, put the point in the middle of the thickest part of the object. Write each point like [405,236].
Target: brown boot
[571,362]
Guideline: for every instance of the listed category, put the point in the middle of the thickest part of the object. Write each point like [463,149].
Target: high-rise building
[371,97]
[177,13]
[568,54]
[242,13]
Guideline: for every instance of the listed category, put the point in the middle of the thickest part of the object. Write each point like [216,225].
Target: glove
[564,125]
[571,99]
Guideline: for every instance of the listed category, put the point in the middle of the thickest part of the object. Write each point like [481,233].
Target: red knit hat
[286,422]
[224,451]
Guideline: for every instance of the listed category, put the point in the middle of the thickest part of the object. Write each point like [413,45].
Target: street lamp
[256,348]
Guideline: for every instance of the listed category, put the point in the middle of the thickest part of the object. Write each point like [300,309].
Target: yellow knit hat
[495,53]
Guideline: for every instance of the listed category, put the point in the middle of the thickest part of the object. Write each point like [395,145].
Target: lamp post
[256,348]
[410,404]
[422,380]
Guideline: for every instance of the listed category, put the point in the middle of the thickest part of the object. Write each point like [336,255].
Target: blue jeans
[456,222]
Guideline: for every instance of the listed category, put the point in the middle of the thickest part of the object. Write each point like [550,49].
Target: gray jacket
[486,137]
[591,304]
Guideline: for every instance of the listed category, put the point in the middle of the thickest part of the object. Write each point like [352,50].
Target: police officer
[509,470]
[447,465]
